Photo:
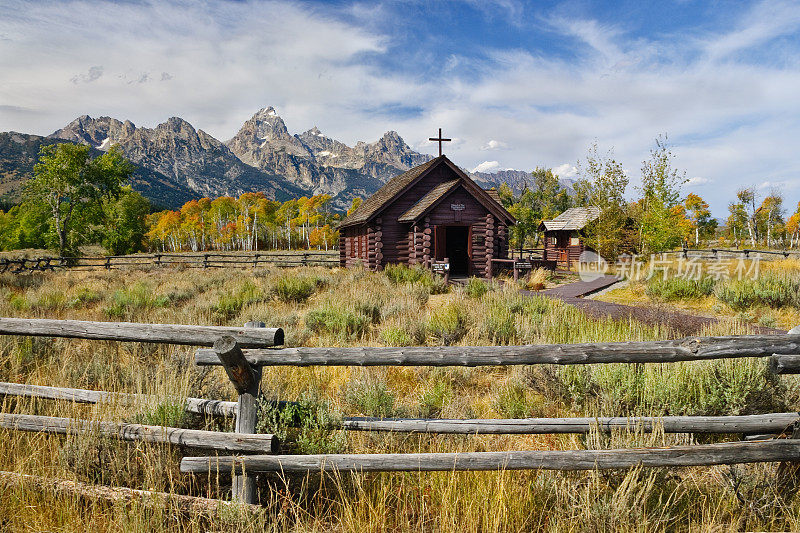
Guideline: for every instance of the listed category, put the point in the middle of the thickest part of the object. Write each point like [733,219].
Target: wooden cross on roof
[440,140]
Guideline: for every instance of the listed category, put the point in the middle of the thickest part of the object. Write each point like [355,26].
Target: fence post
[205,260]
[787,476]
[158,259]
[247,380]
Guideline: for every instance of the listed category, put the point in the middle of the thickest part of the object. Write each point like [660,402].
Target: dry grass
[352,307]
[784,317]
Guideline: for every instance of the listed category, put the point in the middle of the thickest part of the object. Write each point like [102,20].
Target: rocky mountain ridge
[19,152]
[181,161]
[190,158]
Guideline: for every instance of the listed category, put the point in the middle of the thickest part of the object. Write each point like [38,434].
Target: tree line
[74,199]
[659,217]
[250,222]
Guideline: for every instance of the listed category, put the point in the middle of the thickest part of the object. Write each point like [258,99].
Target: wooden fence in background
[185,260]
[713,254]
[242,352]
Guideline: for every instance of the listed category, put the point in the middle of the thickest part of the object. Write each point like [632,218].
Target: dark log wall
[354,247]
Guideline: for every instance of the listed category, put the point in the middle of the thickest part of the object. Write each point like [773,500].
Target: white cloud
[765,21]
[493,145]
[697,180]
[487,166]
[93,74]
[777,185]
[731,119]
[565,171]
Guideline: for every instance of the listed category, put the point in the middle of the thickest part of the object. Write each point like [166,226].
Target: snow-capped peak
[267,112]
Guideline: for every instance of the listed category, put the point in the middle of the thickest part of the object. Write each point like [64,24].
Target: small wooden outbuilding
[564,235]
[430,212]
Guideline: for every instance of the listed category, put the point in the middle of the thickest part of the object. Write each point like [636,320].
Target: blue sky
[516,84]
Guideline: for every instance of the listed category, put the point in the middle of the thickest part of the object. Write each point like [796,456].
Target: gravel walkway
[683,323]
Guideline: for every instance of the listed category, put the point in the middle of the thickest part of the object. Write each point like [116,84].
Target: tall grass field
[399,307]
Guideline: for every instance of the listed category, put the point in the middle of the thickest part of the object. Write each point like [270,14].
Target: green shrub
[396,336]
[512,401]
[371,310]
[343,323]
[498,324]
[434,398]
[167,414]
[524,304]
[400,273]
[371,397]
[51,300]
[680,288]
[134,297]
[304,426]
[736,387]
[576,384]
[230,304]
[740,295]
[767,321]
[770,290]
[775,291]
[83,296]
[476,288]
[296,288]
[447,324]
[436,285]
[19,302]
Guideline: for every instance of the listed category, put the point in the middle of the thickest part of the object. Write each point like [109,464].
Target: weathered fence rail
[676,456]
[244,351]
[194,438]
[785,364]
[191,405]
[187,260]
[145,498]
[136,332]
[770,423]
[722,253]
[687,349]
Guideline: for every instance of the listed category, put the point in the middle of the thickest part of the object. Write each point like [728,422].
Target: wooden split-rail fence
[714,254]
[243,352]
[185,260]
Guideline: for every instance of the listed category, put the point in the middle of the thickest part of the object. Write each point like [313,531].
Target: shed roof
[574,218]
[494,194]
[428,201]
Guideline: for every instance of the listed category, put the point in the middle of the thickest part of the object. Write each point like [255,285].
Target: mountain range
[176,162]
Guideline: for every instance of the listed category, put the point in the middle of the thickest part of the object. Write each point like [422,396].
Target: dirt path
[683,323]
